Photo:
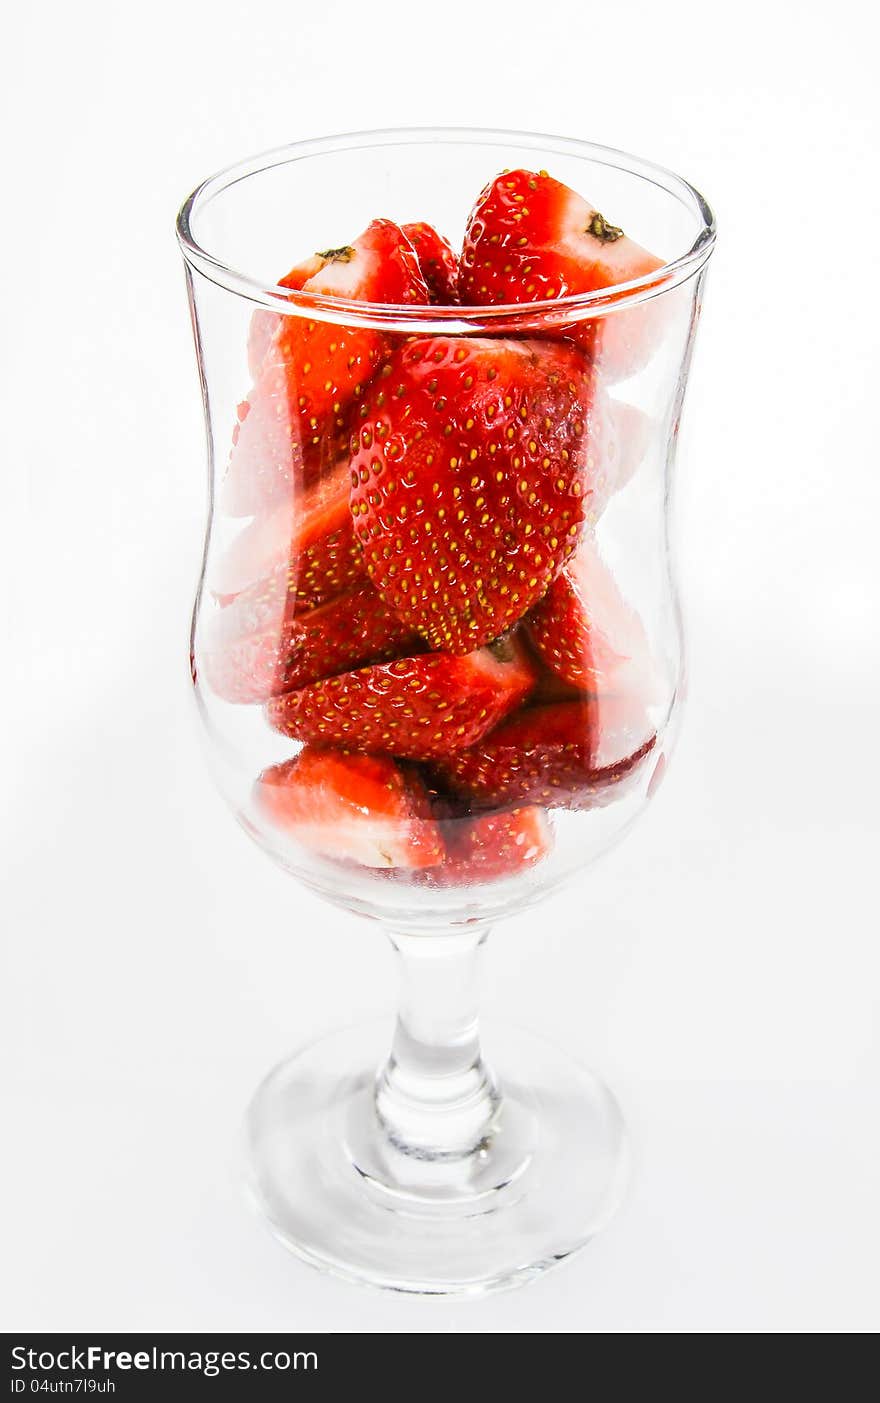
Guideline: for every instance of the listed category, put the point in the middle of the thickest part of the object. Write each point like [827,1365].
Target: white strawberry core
[346,278]
[503,672]
[371,841]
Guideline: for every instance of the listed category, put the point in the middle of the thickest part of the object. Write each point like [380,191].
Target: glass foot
[340,1194]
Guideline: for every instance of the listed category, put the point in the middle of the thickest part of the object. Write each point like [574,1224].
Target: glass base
[335,1190]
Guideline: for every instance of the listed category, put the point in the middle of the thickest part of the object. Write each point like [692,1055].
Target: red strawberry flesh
[471,481]
[356,808]
[265,466]
[493,846]
[437,261]
[332,363]
[566,755]
[589,636]
[295,420]
[532,239]
[265,324]
[262,644]
[417,708]
[308,538]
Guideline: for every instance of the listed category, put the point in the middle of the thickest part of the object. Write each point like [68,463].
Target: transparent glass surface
[497,475]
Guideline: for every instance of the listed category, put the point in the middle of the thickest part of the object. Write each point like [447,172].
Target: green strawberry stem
[603,231]
[344,254]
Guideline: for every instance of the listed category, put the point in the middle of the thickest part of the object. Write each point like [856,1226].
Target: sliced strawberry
[471,480]
[265,466]
[632,432]
[264,324]
[262,644]
[589,636]
[295,424]
[416,708]
[437,261]
[549,687]
[332,363]
[619,437]
[568,755]
[531,239]
[358,808]
[308,538]
[624,734]
[492,846]
[275,456]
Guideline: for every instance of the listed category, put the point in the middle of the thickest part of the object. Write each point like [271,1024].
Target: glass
[433,1168]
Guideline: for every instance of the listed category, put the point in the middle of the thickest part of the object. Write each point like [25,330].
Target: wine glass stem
[435,1096]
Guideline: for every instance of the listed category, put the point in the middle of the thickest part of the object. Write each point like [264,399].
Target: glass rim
[498,316]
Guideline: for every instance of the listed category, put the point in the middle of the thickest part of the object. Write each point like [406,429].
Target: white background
[720,967]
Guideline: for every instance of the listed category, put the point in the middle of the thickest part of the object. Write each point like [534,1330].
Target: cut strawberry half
[332,363]
[471,480]
[589,637]
[308,538]
[265,466]
[532,239]
[632,432]
[263,644]
[550,688]
[265,324]
[294,424]
[618,440]
[355,808]
[416,708]
[437,261]
[490,847]
[569,755]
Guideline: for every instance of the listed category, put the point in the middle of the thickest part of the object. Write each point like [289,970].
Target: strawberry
[262,644]
[567,755]
[618,442]
[470,480]
[416,708]
[265,466]
[532,239]
[332,363]
[548,687]
[309,538]
[589,637]
[437,261]
[265,324]
[492,846]
[358,808]
[632,431]
[295,421]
